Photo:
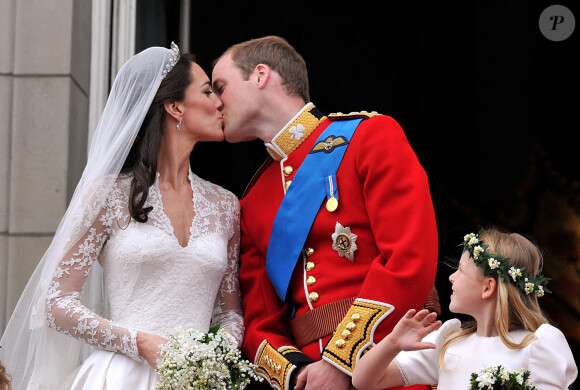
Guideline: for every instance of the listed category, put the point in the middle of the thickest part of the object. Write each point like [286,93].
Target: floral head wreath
[496,264]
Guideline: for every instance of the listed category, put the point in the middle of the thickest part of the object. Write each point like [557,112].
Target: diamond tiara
[173,60]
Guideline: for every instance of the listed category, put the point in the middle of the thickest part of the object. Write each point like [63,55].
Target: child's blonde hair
[515,310]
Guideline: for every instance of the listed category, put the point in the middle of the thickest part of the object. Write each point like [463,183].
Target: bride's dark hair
[4,378]
[142,159]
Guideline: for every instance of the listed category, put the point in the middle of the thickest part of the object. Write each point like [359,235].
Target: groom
[338,230]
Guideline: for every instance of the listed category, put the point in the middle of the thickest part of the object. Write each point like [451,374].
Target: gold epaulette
[273,366]
[355,333]
[353,115]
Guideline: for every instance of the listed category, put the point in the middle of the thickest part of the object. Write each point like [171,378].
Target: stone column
[44,86]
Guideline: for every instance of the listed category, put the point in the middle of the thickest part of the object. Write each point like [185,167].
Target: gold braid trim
[295,133]
[286,350]
[273,366]
[355,333]
[352,115]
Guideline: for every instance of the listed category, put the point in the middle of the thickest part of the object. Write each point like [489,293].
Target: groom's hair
[279,55]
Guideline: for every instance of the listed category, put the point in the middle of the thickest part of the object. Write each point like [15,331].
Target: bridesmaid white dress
[548,358]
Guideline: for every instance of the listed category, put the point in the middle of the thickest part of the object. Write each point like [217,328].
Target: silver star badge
[344,242]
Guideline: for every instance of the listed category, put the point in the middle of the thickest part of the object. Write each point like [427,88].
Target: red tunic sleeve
[398,203]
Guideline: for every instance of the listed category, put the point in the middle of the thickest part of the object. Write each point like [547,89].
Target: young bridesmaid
[498,284]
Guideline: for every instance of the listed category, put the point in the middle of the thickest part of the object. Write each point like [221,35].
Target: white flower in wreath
[515,272]
[471,239]
[344,241]
[493,263]
[297,132]
[529,288]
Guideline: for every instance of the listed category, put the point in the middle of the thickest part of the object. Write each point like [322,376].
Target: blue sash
[302,202]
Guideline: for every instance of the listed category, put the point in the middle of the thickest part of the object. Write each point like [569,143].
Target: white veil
[36,356]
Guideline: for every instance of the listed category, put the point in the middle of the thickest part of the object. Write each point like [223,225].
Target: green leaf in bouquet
[214,329]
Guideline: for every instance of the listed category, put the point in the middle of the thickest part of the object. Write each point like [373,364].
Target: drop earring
[179,124]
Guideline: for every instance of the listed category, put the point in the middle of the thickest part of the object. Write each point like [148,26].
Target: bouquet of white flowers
[498,378]
[199,361]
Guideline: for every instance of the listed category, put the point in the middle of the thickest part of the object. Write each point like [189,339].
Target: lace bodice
[152,282]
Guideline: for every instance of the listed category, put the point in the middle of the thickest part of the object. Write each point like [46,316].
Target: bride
[145,246]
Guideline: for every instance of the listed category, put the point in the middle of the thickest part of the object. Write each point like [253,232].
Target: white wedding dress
[153,283]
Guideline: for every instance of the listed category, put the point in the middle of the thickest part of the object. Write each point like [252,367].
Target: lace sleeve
[228,308]
[64,310]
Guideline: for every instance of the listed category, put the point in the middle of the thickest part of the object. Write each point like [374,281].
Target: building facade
[58,59]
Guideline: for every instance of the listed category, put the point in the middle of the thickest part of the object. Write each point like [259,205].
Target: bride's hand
[148,345]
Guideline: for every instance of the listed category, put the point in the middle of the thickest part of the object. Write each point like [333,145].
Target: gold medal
[331,204]
[331,194]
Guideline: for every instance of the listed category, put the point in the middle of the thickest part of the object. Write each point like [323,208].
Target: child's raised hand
[411,329]
[375,369]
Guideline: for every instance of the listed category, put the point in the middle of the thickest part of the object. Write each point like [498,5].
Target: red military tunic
[386,215]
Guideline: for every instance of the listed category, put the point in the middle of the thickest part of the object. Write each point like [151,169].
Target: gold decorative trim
[354,114]
[355,333]
[290,138]
[329,144]
[286,350]
[273,366]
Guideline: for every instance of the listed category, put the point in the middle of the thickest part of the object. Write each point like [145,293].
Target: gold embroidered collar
[295,132]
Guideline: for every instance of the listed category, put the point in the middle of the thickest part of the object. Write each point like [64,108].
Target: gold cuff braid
[273,366]
[355,333]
